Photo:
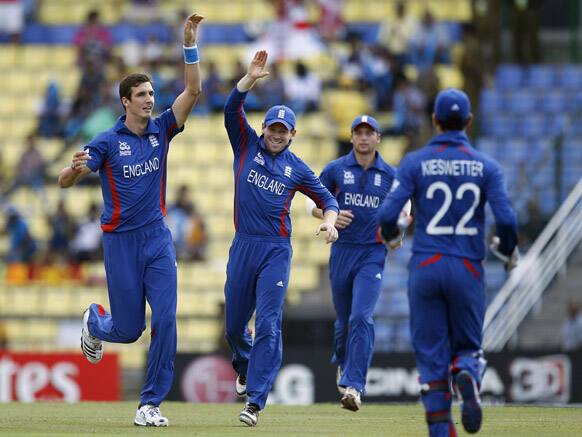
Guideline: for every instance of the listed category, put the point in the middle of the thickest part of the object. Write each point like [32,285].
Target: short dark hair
[133,80]
[453,123]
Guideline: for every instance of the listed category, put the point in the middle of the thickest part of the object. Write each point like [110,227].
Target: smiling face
[277,136]
[140,104]
[365,139]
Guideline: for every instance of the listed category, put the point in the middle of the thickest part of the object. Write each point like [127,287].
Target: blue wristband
[191,55]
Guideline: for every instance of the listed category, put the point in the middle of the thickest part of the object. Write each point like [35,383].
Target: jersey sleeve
[168,125]
[505,219]
[327,178]
[98,150]
[240,133]
[402,189]
[313,188]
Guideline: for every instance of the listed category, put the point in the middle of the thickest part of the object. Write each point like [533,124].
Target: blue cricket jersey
[132,170]
[362,192]
[264,185]
[450,182]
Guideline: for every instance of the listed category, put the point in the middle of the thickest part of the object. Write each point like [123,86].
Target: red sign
[67,377]
[209,379]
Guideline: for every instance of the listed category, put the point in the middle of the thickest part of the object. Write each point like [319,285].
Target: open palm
[256,68]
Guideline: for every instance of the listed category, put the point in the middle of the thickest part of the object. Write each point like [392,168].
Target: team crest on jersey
[378,180]
[124,149]
[288,171]
[259,159]
[154,141]
[349,178]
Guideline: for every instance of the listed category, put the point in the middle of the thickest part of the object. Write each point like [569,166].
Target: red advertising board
[66,377]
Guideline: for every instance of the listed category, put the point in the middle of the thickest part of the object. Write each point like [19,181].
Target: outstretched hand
[256,68]
[191,29]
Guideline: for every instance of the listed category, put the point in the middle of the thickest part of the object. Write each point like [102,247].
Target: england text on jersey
[452,167]
[358,199]
[265,182]
[142,168]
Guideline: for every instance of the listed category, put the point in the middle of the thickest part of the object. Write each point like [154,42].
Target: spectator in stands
[272,91]
[331,24]
[31,168]
[396,34]
[187,227]
[303,89]
[430,43]
[378,72]
[214,88]
[3,336]
[22,245]
[472,66]
[525,27]
[429,84]
[86,244]
[12,19]
[63,229]
[571,331]
[50,117]
[487,20]
[409,108]
[93,41]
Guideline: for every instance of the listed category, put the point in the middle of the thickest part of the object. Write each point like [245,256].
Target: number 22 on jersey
[433,227]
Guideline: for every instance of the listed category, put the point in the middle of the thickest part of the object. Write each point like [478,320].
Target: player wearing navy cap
[139,255]
[360,181]
[450,182]
[267,176]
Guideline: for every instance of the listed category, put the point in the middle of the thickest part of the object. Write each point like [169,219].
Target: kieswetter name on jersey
[453,167]
[141,169]
[265,182]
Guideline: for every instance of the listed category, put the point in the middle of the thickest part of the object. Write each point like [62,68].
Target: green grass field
[116,419]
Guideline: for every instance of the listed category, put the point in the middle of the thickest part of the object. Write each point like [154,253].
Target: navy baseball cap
[365,119]
[452,104]
[280,114]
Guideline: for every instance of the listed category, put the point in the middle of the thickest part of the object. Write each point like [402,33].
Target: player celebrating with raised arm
[450,182]
[360,181]
[139,255]
[267,176]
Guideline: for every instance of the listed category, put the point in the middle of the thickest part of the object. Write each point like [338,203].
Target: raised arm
[184,103]
[255,71]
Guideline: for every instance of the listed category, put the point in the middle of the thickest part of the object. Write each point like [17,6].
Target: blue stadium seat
[487,145]
[571,174]
[509,76]
[522,102]
[570,77]
[548,205]
[515,150]
[491,101]
[572,150]
[541,77]
[500,126]
[555,101]
[531,126]
[556,124]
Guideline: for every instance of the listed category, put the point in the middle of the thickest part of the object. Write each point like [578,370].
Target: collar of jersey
[152,128]
[455,137]
[353,162]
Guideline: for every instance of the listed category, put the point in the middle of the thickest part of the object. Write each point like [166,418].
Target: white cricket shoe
[91,346]
[338,376]
[241,385]
[351,400]
[249,415]
[150,415]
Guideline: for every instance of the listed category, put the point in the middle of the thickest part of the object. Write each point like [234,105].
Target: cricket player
[266,177]
[139,255]
[360,182]
[450,182]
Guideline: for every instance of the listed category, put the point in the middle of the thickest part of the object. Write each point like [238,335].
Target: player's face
[142,100]
[277,136]
[365,139]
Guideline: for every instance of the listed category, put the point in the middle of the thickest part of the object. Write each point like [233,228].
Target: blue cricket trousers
[257,276]
[356,282]
[140,265]
[447,308]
